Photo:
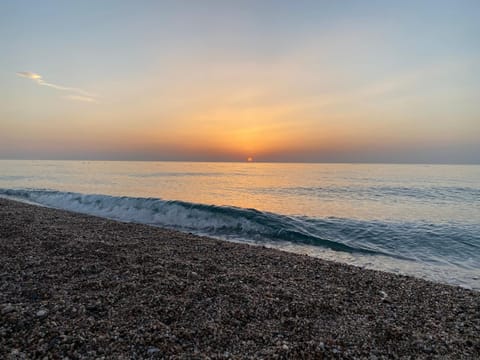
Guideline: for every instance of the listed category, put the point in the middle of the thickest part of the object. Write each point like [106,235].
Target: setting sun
[125,127]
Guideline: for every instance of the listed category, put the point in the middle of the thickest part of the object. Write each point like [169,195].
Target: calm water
[422,220]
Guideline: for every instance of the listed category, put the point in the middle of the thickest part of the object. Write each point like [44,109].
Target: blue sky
[223,80]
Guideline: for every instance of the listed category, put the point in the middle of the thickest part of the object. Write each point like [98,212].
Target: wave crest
[435,243]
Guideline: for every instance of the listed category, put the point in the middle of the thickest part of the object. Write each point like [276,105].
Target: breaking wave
[444,244]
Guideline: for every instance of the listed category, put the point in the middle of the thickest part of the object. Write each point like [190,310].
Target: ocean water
[420,220]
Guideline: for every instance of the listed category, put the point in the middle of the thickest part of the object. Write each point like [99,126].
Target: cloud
[29,75]
[83,95]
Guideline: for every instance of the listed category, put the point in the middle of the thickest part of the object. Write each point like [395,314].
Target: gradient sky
[333,81]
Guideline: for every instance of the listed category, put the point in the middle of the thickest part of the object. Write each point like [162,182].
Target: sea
[418,220]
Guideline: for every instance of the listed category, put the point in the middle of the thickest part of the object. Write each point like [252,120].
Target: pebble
[41,313]
[153,350]
[7,309]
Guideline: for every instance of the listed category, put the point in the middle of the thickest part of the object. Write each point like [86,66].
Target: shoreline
[443,270]
[82,286]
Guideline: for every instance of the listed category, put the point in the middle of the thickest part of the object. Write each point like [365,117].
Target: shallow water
[422,220]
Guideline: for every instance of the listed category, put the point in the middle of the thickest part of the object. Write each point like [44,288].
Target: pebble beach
[82,287]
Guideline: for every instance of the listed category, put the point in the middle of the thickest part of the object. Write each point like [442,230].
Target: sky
[306,81]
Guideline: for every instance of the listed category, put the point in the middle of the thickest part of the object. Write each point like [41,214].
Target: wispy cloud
[29,75]
[82,95]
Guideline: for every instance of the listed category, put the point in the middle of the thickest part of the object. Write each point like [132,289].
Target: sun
[250,159]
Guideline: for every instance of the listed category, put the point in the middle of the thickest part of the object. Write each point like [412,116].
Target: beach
[79,286]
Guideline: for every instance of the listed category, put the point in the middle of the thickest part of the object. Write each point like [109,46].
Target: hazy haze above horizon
[306,81]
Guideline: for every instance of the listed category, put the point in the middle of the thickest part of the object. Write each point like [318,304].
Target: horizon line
[254,161]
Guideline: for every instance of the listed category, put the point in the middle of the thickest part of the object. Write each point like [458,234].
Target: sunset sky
[326,81]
